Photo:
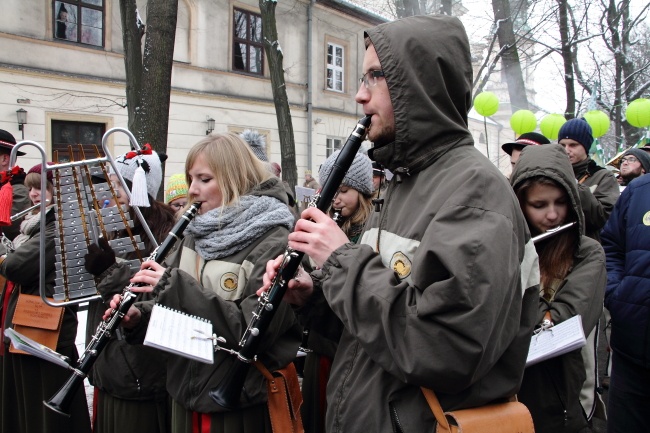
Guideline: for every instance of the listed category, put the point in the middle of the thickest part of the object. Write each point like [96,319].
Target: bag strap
[434,404]
[284,398]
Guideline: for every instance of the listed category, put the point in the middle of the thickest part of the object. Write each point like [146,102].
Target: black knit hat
[7,141]
[578,130]
[527,139]
[642,156]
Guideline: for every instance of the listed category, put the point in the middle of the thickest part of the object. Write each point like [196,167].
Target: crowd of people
[429,271]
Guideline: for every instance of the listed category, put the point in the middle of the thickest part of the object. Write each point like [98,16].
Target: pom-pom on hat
[144,170]
[176,187]
[578,130]
[358,177]
[257,143]
[38,168]
[527,139]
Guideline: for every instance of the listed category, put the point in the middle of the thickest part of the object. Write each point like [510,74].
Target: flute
[226,394]
[61,401]
[552,232]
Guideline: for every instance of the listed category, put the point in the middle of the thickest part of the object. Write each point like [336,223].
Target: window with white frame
[332,144]
[335,67]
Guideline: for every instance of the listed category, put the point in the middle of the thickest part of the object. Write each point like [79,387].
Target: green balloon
[599,122]
[551,124]
[486,103]
[523,121]
[638,113]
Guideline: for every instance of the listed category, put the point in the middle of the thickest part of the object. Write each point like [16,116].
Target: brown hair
[33,180]
[235,167]
[556,253]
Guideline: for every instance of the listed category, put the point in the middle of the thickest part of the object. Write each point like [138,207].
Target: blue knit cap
[578,130]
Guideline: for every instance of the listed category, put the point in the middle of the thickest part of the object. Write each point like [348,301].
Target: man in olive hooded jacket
[441,292]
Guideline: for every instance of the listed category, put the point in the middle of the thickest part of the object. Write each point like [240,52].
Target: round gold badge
[401,265]
[229,281]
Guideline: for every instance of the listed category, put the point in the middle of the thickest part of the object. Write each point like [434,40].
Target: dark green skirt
[26,382]
[116,415]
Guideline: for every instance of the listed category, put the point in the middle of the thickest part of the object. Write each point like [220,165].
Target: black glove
[99,258]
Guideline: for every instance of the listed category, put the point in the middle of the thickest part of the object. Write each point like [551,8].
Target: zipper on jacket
[382,214]
[128,365]
[397,427]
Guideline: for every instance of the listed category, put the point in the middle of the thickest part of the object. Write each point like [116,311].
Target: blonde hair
[359,216]
[235,167]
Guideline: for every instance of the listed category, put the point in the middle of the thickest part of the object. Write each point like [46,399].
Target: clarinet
[226,393]
[62,400]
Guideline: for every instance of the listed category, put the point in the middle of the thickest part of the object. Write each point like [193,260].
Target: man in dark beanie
[528,139]
[634,163]
[598,191]
[597,186]
[21,199]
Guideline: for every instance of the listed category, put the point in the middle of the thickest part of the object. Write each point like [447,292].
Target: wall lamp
[21,115]
[210,125]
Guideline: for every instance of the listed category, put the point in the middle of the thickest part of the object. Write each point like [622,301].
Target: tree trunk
[445,7]
[407,8]
[157,63]
[131,38]
[285,126]
[510,55]
[567,57]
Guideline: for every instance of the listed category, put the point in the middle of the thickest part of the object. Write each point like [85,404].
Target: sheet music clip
[203,336]
[546,325]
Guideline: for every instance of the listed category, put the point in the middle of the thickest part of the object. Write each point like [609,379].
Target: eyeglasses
[629,160]
[178,206]
[369,79]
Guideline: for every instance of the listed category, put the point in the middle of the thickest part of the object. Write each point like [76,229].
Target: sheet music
[35,348]
[182,334]
[304,194]
[556,340]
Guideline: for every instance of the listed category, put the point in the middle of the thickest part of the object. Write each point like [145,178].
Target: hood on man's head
[427,67]
[642,156]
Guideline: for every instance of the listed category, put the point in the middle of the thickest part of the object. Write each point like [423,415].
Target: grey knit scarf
[223,232]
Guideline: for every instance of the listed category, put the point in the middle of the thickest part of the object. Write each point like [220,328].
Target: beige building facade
[62,62]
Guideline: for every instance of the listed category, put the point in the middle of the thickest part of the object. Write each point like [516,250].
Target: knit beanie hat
[578,130]
[129,166]
[642,156]
[38,168]
[176,187]
[358,177]
[257,142]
